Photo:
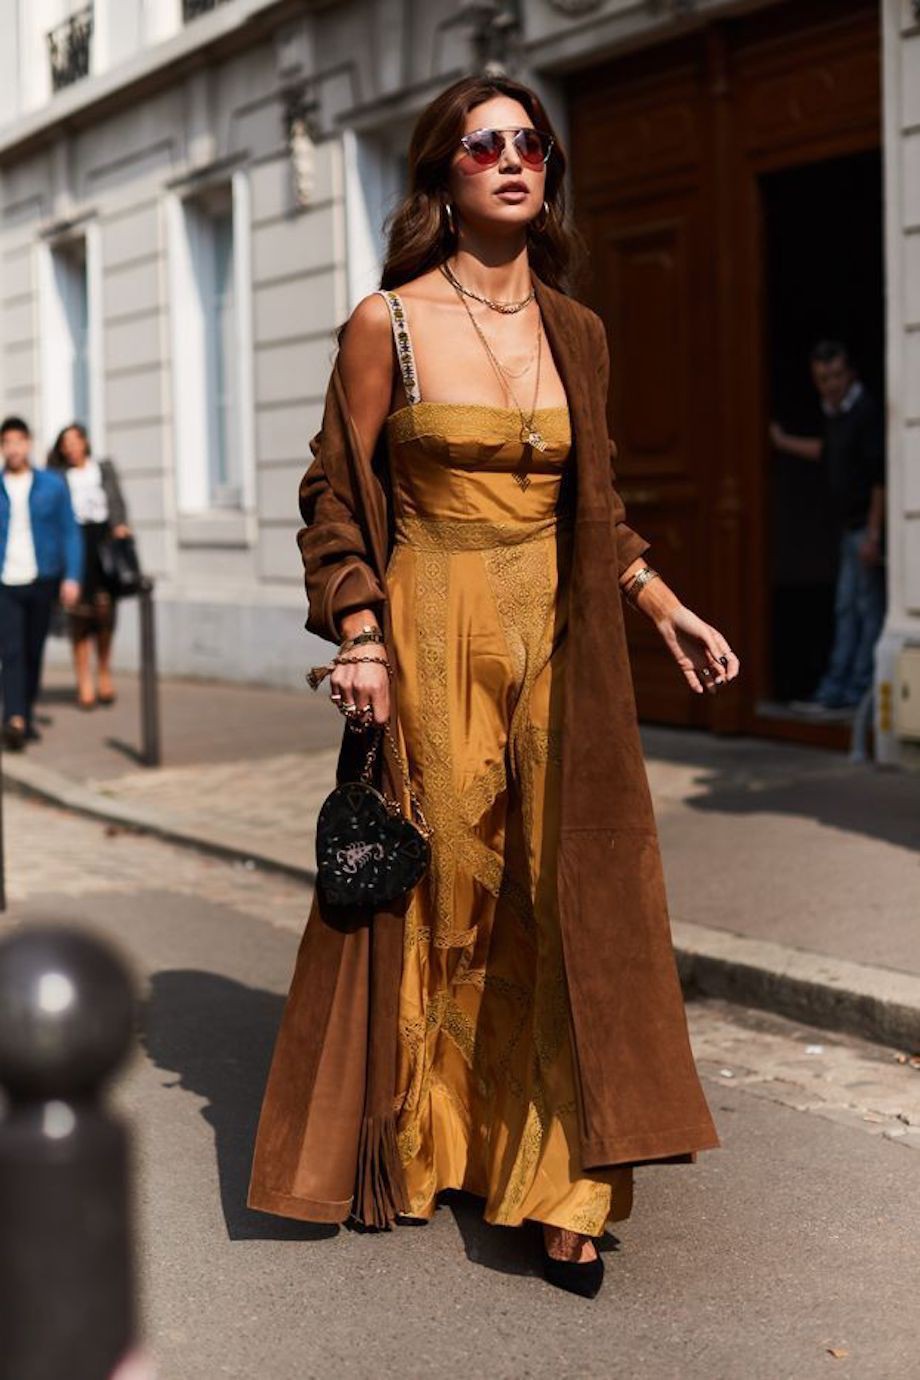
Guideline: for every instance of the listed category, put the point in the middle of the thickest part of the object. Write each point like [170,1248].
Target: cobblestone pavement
[785,1255]
[272,801]
[79,857]
[838,1077]
[766,840]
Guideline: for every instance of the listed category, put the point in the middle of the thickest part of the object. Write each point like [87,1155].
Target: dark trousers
[25,615]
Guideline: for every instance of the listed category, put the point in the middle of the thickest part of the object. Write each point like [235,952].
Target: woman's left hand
[122,530]
[700,651]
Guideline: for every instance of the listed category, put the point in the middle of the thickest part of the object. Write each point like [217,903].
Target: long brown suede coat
[326,1141]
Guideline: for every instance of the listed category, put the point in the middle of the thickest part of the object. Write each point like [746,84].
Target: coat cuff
[630,546]
[354,587]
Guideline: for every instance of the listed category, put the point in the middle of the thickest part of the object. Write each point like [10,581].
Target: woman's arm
[352,595]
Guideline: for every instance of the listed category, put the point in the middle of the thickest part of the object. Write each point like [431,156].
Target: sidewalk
[793,875]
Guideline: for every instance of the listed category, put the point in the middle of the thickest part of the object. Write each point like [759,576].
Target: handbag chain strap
[368,769]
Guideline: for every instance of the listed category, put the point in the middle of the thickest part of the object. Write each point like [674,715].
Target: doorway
[823,253]
[728,186]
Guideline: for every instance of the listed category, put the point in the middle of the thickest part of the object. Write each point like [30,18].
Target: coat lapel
[565,341]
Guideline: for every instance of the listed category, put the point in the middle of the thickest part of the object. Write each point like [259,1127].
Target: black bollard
[150,694]
[66,1272]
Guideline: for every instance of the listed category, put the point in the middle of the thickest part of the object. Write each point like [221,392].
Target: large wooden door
[667,148]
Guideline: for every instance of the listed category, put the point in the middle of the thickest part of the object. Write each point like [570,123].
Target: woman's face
[510,193]
[73,447]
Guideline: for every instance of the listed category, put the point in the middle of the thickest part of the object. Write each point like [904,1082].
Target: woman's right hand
[364,684]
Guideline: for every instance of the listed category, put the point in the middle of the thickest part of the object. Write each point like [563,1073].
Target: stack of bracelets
[638,582]
[368,636]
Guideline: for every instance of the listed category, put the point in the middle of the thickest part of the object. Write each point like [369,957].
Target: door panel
[667,148]
[649,269]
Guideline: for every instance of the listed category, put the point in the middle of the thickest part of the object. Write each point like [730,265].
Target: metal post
[66,1266]
[150,698]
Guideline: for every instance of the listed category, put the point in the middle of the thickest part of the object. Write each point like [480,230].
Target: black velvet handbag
[368,852]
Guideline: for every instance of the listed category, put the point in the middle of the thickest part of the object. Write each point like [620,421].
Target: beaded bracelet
[318,674]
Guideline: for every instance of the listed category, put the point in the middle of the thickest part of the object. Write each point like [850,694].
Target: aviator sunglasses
[486,146]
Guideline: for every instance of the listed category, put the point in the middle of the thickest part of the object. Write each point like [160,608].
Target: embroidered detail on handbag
[368,853]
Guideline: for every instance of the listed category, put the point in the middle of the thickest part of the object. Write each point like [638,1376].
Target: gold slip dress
[477,584]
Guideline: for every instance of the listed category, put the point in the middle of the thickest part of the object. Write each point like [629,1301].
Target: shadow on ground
[218,1035]
[509,1250]
[753,776]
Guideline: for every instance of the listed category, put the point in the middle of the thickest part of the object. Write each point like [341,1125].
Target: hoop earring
[539,224]
[449,212]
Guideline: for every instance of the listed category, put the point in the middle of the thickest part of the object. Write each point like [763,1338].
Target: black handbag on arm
[120,566]
[368,853]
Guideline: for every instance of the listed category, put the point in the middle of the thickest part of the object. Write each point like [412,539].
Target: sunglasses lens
[484,147]
[532,146]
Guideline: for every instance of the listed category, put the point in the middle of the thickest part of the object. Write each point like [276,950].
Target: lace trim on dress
[477,422]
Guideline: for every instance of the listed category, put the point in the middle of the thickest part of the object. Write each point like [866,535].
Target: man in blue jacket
[41,559]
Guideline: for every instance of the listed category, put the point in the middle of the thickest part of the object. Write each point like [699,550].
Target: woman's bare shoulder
[365,340]
[430,286]
[370,319]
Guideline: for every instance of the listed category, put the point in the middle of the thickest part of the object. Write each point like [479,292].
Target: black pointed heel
[575,1277]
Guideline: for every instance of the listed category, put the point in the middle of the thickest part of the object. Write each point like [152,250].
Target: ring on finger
[705,673]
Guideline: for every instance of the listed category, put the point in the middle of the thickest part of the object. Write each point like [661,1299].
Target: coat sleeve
[72,536]
[118,509]
[338,573]
[630,545]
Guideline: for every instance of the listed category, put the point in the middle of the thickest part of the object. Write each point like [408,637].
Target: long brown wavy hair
[419,234]
[56,459]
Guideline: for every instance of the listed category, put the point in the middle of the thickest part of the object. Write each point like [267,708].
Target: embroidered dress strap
[403,345]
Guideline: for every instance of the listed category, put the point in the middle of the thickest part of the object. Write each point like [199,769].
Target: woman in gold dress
[452,365]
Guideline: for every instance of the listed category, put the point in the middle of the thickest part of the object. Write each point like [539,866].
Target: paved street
[791,1253]
[762,839]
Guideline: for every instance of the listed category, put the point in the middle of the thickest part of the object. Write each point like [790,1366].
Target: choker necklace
[506,308]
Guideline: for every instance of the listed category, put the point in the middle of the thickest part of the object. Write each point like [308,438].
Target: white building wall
[902,179]
[229,586]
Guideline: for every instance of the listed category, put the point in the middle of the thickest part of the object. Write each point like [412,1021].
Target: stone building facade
[191,199]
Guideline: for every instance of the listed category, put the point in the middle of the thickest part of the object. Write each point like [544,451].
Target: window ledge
[221,527]
[152,67]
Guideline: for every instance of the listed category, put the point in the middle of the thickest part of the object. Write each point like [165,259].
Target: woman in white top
[100,509]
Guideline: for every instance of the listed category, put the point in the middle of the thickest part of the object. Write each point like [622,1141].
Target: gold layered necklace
[529,434]
[505,308]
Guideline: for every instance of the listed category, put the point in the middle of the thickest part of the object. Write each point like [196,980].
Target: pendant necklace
[529,434]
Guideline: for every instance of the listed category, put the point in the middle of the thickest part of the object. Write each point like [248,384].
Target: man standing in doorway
[853,454]
[41,558]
